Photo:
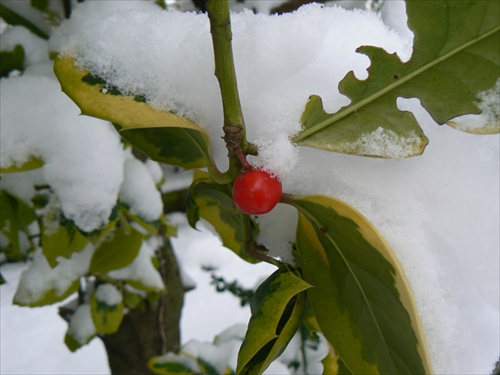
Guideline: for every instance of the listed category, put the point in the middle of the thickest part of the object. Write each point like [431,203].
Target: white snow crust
[108,294]
[139,192]
[83,158]
[141,270]
[81,325]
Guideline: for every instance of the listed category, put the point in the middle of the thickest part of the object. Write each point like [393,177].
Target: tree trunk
[156,331]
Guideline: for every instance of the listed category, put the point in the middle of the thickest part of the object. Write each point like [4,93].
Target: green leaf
[117,250]
[64,241]
[42,285]
[214,203]
[455,59]
[50,16]
[72,344]
[32,163]
[12,18]
[107,319]
[15,218]
[133,300]
[11,60]
[182,146]
[41,5]
[76,337]
[49,297]
[169,366]
[163,136]
[360,297]
[276,314]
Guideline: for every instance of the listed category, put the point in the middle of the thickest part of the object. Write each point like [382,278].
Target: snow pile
[141,270]
[276,71]
[39,279]
[81,325]
[139,192]
[108,294]
[35,48]
[83,157]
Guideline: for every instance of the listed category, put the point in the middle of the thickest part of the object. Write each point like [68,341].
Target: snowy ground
[31,340]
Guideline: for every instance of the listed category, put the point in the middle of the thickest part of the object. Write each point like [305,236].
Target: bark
[144,334]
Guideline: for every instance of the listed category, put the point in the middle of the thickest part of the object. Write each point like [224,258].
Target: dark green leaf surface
[11,60]
[360,297]
[180,146]
[455,58]
[277,310]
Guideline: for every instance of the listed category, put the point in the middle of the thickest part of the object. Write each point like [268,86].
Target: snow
[35,48]
[81,325]
[83,156]
[439,212]
[32,339]
[155,170]
[108,294]
[384,142]
[141,270]
[138,191]
[39,278]
[277,71]
[489,103]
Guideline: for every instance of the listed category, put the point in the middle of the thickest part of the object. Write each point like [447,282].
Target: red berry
[256,192]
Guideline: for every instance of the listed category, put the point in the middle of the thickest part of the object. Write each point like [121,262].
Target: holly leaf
[32,163]
[13,18]
[81,329]
[65,240]
[455,61]
[214,203]
[11,60]
[171,364]
[117,250]
[16,217]
[361,299]
[106,318]
[163,136]
[277,309]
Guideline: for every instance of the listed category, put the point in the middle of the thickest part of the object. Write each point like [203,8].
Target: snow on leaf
[107,309]
[42,285]
[455,58]
[81,328]
[141,273]
[163,136]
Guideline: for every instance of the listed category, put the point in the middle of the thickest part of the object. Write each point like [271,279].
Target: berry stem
[250,246]
[243,159]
